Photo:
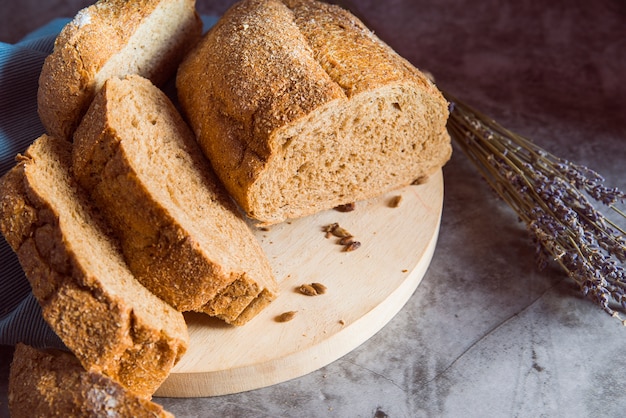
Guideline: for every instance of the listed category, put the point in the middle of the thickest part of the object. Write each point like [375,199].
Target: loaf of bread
[113,324]
[300,108]
[52,383]
[182,235]
[112,38]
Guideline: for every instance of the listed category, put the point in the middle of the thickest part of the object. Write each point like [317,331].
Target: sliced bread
[301,108]
[52,383]
[113,324]
[181,234]
[112,38]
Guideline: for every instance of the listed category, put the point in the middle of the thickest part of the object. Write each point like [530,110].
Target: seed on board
[346,240]
[307,289]
[319,288]
[352,246]
[348,207]
[286,316]
[330,227]
[395,201]
[336,230]
[341,232]
[313,289]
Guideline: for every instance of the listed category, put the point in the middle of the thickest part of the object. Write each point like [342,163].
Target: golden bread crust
[279,92]
[52,383]
[70,75]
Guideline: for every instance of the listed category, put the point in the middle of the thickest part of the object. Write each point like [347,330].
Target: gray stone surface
[486,334]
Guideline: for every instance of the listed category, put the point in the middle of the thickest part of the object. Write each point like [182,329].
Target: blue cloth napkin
[20,65]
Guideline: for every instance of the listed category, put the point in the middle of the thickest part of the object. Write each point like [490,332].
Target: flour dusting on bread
[82,18]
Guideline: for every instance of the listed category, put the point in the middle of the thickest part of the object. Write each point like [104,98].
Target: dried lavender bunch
[552,196]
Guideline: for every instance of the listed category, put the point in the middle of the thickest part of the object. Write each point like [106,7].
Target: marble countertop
[486,334]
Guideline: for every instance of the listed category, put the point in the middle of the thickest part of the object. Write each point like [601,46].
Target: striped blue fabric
[20,65]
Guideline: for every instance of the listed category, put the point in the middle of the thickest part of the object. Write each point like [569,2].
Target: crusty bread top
[299,108]
[352,56]
[112,38]
[256,64]
[296,54]
[52,383]
[181,233]
[111,323]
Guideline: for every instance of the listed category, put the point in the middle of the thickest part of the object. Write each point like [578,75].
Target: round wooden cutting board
[365,289]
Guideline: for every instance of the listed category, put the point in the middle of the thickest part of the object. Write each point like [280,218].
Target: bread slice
[181,234]
[52,383]
[112,38]
[113,324]
[301,108]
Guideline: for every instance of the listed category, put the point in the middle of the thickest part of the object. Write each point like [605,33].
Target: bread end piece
[112,38]
[52,383]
